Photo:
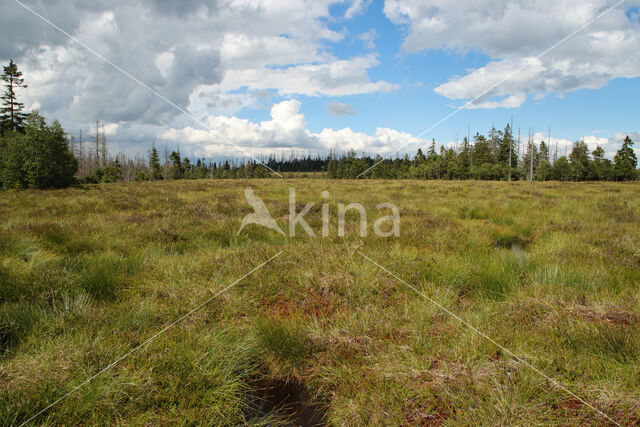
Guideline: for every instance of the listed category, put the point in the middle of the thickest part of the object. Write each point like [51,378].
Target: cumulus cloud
[340,109]
[513,33]
[286,131]
[208,56]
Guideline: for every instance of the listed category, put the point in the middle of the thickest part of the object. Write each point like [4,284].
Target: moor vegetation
[550,271]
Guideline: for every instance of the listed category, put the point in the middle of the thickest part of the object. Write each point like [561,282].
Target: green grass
[549,270]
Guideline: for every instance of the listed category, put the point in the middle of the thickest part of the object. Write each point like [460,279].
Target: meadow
[319,334]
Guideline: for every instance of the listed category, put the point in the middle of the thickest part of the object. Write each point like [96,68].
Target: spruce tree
[543,154]
[332,168]
[481,151]
[464,159]
[506,149]
[154,165]
[12,115]
[431,153]
[495,142]
[626,162]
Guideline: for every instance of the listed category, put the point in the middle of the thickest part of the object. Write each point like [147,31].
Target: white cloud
[513,33]
[285,131]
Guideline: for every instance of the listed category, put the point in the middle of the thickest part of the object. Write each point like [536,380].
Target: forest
[35,154]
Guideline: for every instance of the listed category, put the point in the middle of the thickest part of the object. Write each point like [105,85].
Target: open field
[549,270]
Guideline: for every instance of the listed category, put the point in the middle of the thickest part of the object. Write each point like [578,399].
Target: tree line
[36,154]
[496,157]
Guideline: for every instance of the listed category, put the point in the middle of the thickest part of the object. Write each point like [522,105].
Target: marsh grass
[549,270]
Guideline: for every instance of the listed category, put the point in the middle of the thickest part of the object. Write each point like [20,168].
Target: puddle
[289,399]
[514,243]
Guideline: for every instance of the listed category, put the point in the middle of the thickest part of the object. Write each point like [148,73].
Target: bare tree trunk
[97,141]
[103,148]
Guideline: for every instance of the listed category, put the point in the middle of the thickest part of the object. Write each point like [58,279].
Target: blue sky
[263,76]
[415,106]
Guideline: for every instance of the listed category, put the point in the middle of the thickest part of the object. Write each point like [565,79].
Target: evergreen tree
[464,159]
[382,170]
[112,172]
[450,165]
[431,153]
[176,171]
[12,115]
[507,149]
[481,151]
[543,154]
[420,157]
[602,168]
[154,165]
[332,168]
[495,142]
[626,162]
[187,168]
[358,166]
[580,162]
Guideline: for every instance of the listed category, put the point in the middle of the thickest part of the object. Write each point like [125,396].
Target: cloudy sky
[259,77]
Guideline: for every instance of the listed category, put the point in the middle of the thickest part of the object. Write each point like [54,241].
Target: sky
[229,78]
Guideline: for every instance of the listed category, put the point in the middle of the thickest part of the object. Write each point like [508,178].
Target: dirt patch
[613,317]
[314,304]
[420,414]
[289,398]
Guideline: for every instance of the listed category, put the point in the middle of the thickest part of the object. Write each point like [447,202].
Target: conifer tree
[626,162]
[154,165]
[332,168]
[432,149]
[12,115]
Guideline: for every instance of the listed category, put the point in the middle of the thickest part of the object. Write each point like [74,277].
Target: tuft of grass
[16,321]
[286,340]
[104,276]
